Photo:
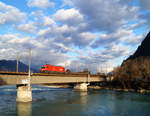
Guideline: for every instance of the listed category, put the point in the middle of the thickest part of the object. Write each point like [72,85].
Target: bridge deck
[11,78]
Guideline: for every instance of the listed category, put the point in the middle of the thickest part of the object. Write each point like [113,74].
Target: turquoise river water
[67,102]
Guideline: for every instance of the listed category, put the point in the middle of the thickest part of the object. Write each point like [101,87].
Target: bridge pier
[24,108]
[24,93]
[81,87]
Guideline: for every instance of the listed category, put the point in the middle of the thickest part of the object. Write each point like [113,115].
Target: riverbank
[58,86]
[119,89]
[99,87]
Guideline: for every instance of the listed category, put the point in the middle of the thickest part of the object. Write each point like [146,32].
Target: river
[67,102]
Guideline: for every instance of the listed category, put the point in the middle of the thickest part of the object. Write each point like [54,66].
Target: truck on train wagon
[51,68]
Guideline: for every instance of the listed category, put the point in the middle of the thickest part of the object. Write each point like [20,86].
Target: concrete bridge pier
[24,108]
[24,93]
[81,87]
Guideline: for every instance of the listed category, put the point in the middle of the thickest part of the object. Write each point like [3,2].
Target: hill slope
[10,65]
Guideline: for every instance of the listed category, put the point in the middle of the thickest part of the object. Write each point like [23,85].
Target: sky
[77,34]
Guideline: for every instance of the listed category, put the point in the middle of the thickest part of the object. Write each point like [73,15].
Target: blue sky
[73,33]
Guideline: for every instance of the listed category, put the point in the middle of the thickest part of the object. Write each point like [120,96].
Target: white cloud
[56,30]
[7,53]
[48,21]
[69,16]
[40,3]
[10,14]
[63,29]
[129,38]
[87,35]
[28,27]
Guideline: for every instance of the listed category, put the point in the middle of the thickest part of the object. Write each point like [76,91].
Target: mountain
[134,72]
[143,49]
[10,65]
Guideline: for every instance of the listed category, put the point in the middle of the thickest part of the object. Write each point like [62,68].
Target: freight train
[52,69]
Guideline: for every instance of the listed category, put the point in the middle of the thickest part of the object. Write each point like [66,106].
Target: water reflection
[24,109]
[83,97]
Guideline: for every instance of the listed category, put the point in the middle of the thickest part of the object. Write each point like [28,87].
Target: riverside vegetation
[133,74]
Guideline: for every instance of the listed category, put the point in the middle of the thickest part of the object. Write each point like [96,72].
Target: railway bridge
[23,81]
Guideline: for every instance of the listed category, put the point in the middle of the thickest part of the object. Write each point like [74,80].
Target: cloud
[145,12]
[104,39]
[67,3]
[83,39]
[114,50]
[7,56]
[48,21]
[107,15]
[125,36]
[40,3]
[27,27]
[16,41]
[10,14]
[69,16]
[56,31]
[145,4]
[146,18]
[68,36]
[108,53]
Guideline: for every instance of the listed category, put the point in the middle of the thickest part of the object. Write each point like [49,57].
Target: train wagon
[52,68]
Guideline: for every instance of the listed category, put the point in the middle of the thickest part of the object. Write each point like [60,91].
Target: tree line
[133,74]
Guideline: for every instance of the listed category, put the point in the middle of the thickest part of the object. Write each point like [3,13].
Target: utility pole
[24,90]
[29,68]
[17,63]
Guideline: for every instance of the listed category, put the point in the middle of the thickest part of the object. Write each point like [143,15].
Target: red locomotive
[51,68]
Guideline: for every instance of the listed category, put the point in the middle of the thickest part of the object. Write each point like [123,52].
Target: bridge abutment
[81,87]
[24,93]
